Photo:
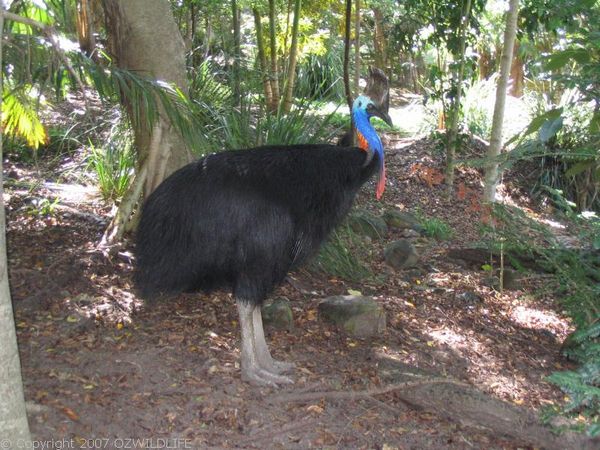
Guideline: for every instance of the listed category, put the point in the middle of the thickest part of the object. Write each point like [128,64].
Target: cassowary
[241,220]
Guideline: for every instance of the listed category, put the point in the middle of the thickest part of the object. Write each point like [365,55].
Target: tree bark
[517,73]
[144,38]
[13,418]
[379,40]
[274,76]
[455,114]
[492,173]
[262,59]
[291,75]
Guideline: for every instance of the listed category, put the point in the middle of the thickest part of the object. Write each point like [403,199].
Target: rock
[409,233]
[367,224]
[469,297]
[401,220]
[357,315]
[278,314]
[401,254]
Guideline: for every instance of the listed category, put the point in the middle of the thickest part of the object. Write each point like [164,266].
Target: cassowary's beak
[374,111]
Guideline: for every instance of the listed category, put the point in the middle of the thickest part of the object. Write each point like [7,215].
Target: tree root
[355,395]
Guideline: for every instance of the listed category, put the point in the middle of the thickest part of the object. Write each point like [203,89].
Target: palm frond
[20,118]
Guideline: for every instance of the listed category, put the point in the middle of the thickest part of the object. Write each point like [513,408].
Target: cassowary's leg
[252,371]
[265,359]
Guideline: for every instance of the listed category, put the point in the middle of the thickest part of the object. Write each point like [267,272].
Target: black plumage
[242,219]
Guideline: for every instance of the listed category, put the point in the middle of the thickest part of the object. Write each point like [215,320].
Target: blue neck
[364,127]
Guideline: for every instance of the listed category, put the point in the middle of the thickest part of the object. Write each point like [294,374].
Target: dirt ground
[102,368]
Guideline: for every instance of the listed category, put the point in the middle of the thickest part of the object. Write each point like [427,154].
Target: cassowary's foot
[263,354]
[258,367]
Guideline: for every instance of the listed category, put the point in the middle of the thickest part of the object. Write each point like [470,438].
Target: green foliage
[436,228]
[43,207]
[576,272]
[113,163]
[320,76]
[251,125]
[20,118]
[342,255]
[146,99]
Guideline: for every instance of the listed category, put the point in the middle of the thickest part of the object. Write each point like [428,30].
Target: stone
[469,297]
[278,314]
[401,254]
[367,224]
[357,315]
[402,220]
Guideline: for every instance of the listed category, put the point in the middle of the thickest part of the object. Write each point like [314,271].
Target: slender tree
[262,58]
[274,76]
[13,418]
[458,80]
[379,42]
[492,173]
[347,22]
[235,76]
[291,73]
[356,47]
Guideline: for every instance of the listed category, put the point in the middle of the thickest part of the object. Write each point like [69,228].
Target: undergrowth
[343,254]
[577,274]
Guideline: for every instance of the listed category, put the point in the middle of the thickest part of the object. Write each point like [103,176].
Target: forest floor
[460,365]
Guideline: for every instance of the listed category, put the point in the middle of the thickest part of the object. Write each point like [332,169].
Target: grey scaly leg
[252,370]
[262,350]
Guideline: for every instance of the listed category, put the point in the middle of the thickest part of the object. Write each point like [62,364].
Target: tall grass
[113,163]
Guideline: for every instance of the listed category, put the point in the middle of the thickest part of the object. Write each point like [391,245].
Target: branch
[50,34]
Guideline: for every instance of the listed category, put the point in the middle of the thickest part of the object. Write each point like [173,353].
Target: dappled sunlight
[537,318]
[114,305]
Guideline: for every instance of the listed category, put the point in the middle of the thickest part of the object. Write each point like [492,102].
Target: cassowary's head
[368,140]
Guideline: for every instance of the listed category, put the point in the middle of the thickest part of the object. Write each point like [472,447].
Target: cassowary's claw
[280,367]
[261,377]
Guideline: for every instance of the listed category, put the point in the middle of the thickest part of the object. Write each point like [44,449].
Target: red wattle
[380,184]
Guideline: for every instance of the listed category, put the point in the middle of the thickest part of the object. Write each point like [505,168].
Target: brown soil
[99,363]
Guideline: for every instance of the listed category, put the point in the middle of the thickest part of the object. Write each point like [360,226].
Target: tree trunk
[144,38]
[517,73]
[492,171]
[291,75]
[13,418]
[274,76]
[357,48]
[379,41]
[347,22]
[455,113]
[235,78]
[262,59]
[85,28]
